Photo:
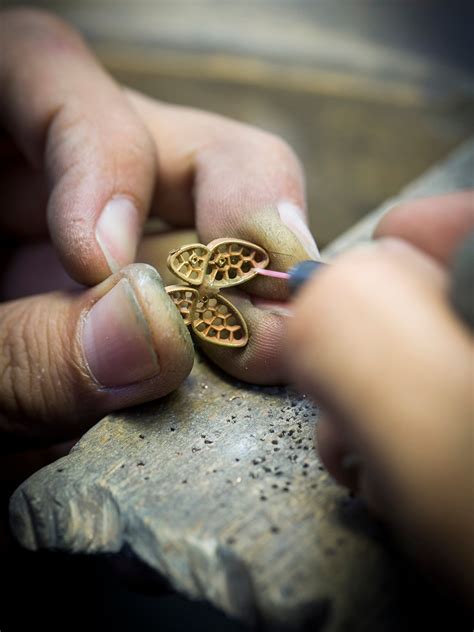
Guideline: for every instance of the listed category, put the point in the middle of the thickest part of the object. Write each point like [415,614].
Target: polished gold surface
[207,269]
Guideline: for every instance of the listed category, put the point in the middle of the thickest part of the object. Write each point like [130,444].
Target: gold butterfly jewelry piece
[206,270]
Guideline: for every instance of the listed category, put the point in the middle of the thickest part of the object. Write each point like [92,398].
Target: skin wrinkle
[33,323]
[7,357]
[17,368]
[80,381]
[67,387]
[47,362]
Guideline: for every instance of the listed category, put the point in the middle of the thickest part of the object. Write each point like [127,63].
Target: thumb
[69,358]
[375,340]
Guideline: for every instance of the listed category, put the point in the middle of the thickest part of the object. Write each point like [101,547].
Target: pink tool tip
[272,273]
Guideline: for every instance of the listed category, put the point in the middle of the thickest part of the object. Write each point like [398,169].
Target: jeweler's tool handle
[461,292]
[302,272]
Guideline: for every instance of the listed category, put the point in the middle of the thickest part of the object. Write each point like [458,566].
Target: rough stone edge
[63,528]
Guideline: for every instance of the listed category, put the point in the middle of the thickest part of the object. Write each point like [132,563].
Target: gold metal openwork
[205,270]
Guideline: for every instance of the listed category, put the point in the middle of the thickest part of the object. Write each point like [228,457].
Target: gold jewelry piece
[206,270]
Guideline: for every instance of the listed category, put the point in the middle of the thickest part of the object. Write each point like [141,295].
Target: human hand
[375,340]
[84,162]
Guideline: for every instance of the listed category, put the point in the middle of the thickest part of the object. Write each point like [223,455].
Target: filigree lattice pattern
[217,319]
[222,264]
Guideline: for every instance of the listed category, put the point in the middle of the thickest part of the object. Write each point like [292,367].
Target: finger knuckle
[15,360]
[280,147]
[41,24]
[28,372]
[280,150]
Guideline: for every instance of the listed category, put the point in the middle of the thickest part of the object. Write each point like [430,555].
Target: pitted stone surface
[218,488]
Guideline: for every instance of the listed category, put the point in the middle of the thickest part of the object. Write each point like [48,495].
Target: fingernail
[293,218]
[117,232]
[117,341]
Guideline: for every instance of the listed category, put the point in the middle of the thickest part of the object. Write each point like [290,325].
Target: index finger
[234,181]
[71,120]
[229,180]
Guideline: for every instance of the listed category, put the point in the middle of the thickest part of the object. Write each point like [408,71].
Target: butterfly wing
[233,261]
[223,263]
[189,263]
[185,299]
[218,321]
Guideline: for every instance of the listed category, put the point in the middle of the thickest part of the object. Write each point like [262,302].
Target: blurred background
[369,93]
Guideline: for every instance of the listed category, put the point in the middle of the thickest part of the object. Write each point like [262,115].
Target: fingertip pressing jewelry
[222,264]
